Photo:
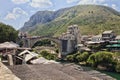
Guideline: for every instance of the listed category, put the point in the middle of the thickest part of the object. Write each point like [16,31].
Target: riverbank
[112,74]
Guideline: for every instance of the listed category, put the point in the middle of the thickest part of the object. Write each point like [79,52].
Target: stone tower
[74,30]
[23,38]
[70,39]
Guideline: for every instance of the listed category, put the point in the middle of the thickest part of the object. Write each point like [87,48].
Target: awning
[86,49]
[113,45]
[108,45]
[118,41]
[92,42]
[116,45]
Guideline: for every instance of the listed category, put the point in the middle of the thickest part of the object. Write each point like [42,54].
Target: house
[97,38]
[108,35]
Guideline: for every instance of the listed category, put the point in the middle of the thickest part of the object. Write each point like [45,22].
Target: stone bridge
[29,42]
[64,46]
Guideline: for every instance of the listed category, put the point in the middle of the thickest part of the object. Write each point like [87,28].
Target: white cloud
[114,6]
[71,1]
[41,3]
[105,4]
[16,13]
[91,1]
[20,1]
[10,16]
[19,11]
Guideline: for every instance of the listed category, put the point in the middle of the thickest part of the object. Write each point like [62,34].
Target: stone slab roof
[106,32]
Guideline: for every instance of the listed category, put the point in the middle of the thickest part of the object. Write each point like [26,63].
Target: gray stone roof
[110,31]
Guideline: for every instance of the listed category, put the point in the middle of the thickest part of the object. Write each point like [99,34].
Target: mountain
[40,17]
[92,19]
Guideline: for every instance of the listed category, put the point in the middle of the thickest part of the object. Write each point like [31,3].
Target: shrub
[70,58]
[78,57]
[82,57]
[117,67]
[51,57]
[0,55]
[91,60]
[48,55]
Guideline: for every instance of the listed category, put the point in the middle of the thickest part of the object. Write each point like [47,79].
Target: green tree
[105,59]
[7,33]
[82,57]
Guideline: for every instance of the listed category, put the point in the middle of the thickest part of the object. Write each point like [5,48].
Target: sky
[17,12]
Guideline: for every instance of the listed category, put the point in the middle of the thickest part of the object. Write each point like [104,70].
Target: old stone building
[74,30]
[108,35]
[70,39]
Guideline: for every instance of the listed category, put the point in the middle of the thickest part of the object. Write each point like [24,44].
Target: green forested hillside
[92,19]
[7,33]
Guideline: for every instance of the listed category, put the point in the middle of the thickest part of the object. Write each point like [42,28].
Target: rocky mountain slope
[92,19]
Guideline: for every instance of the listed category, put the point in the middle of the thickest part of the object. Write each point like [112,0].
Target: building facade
[108,35]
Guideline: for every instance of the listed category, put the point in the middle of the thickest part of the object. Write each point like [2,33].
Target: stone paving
[49,72]
[6,74]
[56,72]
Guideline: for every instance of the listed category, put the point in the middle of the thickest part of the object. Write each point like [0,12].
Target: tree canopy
[100,58]
[7,33]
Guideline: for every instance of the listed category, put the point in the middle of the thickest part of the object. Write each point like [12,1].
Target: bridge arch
[31,41]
